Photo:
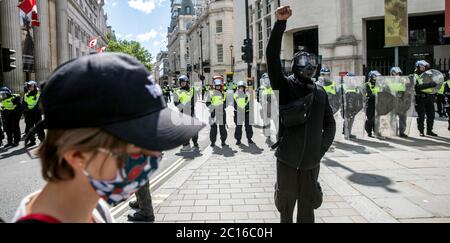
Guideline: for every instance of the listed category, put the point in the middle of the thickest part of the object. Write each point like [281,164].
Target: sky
[145,21]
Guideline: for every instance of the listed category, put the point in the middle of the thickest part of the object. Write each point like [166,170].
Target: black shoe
[133,205]
[196,145]
[213,145]
[402,135]
[250,141]
[138,217]
[224,144]
[15,145]
[431,133]
[352,136]
[422,134]
[238,143]
[30,144]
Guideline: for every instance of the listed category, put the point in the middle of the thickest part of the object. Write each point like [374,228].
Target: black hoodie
[300,147]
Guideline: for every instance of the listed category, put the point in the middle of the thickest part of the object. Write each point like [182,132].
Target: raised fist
[283,13]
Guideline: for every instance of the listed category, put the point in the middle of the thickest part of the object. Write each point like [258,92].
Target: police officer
[216,101]
[185,99]
[325,75]
[424,100]
[32,113]
[166,91]
[353,104]
[11,114]
[440,101]
[372,91]
[242,107]
[265,96]
[447,98]
[402,99]
[303,140]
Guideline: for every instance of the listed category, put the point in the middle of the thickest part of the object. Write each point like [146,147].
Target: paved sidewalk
[367,180]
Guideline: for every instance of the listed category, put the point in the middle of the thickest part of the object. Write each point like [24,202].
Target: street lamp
[200,32]
[232,59]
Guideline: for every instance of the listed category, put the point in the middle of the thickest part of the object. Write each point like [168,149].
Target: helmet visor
[304,60]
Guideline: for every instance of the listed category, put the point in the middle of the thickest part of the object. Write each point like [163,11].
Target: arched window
[187,10]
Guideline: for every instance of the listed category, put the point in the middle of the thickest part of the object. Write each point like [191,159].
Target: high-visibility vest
[242,101]
[32,100]
[8,104]
[331,88]
[267,90]
[217,100]
[375,89]
[419,80]
[442,89]
[397,86]
[184,96]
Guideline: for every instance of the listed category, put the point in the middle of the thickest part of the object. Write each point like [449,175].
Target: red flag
[92,42]
[101,49]
[27,5]
[34,19]
[447,18]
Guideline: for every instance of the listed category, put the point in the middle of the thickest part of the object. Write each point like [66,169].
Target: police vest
[348,90]
[32,100]
[8,104]
[184,96]
[442,89]
[331,88]
[375,89]
[242,101]
[217,100]
[267,91]
[419,80]
[397,87]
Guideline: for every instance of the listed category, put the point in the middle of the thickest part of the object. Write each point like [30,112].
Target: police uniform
[266,93]
[242,106]
[217,103]
[440,101]
[353,105]
[424,104]
[33,115]
[371,92]
[185,99]
[166,92]
[11,114]
[447,100]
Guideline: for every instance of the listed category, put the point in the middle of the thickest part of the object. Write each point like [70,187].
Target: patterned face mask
[134,175]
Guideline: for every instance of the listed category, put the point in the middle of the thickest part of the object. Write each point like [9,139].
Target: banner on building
[28,13]
[92,42]
[396,23]
[447,18]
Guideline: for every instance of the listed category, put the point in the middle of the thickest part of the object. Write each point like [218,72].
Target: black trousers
[370,121]
[425,106]
[144,200]
[11,120]
[213,133]
[296,186]
[248,127]
[32,118]
[440,101]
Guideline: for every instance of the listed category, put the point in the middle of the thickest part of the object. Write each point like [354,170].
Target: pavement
[366,180]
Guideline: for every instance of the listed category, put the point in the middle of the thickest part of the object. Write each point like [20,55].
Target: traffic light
[8,60]
[247,51]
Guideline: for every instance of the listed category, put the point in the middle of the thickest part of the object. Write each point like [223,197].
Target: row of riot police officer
[387,99]
[12,109]
[217,98]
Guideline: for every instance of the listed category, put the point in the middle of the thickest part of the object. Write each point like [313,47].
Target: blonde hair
[57,142]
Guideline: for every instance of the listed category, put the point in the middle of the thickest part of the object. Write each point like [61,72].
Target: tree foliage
[132,48]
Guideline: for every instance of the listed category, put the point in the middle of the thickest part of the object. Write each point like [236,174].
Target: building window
[268,6]
[259,10]
[260,41]
[268,28]
[220,53]
[188,10]
[70,26]
[70,51]
[250,10]
[77,51]
[77,32]
[219,26]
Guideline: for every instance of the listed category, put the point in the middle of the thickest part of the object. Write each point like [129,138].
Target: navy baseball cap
[116,93]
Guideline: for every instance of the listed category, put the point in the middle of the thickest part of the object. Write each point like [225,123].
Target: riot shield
[384,106]
[352,90]
[403,112]
[332,87]
[433,76]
